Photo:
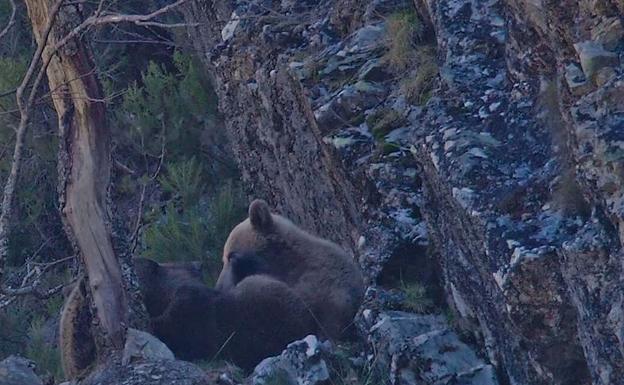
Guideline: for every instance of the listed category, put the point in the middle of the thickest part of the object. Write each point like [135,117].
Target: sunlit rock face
[506,176]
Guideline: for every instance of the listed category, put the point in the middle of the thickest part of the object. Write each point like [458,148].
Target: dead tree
[84,161]
[64,58]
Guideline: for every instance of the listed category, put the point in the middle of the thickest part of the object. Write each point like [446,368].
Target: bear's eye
[233,255]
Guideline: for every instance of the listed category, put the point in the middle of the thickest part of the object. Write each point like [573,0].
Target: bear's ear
[260,215]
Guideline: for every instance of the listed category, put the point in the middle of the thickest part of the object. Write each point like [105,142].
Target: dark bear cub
[254,321]
[159,281]
[242,265]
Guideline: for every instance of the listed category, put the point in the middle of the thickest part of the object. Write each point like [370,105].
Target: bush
[172,115]
[196,232]
[15,321]
[184,180]
[174,107]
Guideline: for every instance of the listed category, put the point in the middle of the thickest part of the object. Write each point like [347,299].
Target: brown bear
[255,320]
[159,281]
[322,274]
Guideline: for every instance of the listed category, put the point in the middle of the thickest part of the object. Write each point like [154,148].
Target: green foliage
[382,121]
[11,72]
[36,206]
[14,323]
[177,236]
[196,232]
[404,30]
[227,209]
[409,50]
[47,357]
[171,114]
[417,298]
[185,181]
[18,42]
[26,329]
[174,107]
[390,148]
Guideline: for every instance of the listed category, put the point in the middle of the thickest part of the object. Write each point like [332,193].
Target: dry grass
[417,298]
[403,34]
[418,88]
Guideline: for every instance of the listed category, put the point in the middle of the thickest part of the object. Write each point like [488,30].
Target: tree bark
[84,166]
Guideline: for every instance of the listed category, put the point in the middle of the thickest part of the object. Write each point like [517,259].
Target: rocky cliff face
[491,156]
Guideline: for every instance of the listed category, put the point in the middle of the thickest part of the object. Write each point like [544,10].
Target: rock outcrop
[18,371]
[507,174]
[422,349]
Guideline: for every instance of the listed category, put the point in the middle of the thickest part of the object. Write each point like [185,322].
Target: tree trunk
[84,166]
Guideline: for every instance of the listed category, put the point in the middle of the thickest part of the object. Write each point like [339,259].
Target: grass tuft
[404,33]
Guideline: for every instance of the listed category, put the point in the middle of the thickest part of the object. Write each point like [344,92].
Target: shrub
[198,232]
[14,331]
[174,107]
[184,180]
[177,236]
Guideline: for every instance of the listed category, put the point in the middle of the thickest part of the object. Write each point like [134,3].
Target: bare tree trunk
[84,165]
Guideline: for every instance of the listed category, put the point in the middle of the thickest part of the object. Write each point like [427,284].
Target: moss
[389,148]
[357,120]
[381,122]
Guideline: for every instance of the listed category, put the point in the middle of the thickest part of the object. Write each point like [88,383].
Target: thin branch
[9,188]
[31,282]
[11,19]
[25,105]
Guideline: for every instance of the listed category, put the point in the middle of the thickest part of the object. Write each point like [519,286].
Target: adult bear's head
[262,243]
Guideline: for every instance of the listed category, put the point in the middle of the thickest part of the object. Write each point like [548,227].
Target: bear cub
[318,271]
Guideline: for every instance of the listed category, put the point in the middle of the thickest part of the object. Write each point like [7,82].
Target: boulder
[301,363]
[144,346]
[18,371]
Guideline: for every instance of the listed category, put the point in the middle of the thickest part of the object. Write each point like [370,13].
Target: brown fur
[159,281]
[255,320]
[76,341]
[317,270]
